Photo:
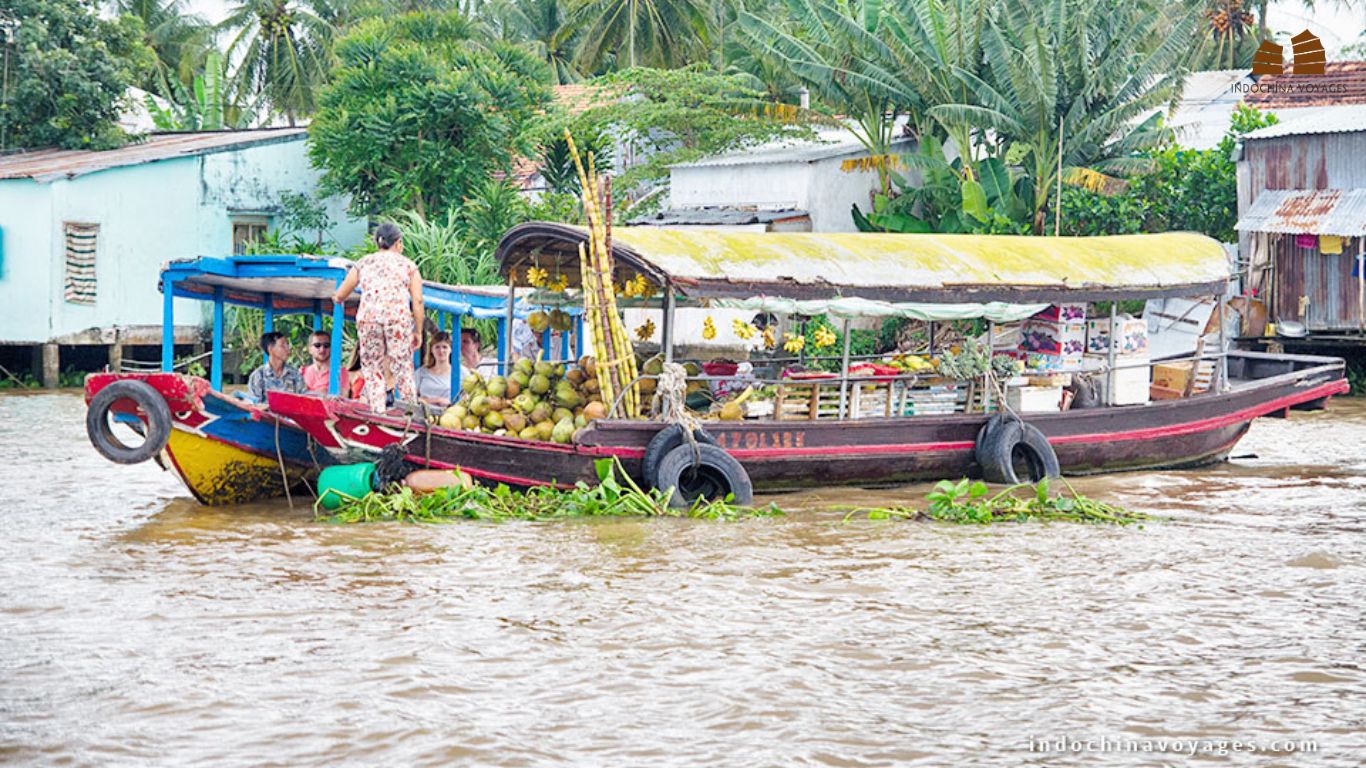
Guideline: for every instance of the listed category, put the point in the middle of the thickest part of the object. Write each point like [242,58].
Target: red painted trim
[1214,422]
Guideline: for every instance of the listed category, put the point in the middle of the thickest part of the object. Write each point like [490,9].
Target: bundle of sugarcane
[616,359]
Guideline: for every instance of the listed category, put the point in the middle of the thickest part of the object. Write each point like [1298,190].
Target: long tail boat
[225,449]
[926,277]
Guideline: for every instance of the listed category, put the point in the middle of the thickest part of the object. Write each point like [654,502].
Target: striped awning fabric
[80,262]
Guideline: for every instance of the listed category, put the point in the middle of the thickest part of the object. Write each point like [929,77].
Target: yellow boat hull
[218,473]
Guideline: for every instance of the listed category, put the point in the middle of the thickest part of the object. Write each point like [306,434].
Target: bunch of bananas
[823,337]
[743,329]
[912,363]
[708,329]
[770,340]
[560,283]
[537,277]
[637,286]
[793,343]
[645,330]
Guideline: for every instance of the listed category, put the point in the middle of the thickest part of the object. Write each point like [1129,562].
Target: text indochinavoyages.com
[1190,747]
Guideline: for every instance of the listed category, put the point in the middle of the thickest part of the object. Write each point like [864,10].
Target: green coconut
[540,414]
[545,368]
[470,422]
[540,384]
[530,433]
[494,420]
[514,421]
[566,396]
[525,366]
[545,429]
[563,431]
[524,402]
[561,414]
[479,406]
[497,386]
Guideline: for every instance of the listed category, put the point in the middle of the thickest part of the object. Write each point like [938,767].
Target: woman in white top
[434,377]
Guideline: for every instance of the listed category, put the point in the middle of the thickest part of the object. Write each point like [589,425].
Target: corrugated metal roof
[716,215]
[46,165]
[1345,119]
[889,267]
[1307,211]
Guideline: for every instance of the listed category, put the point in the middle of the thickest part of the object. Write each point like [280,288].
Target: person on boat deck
[389,320]
[275,374]
[434,377]
[471,358]
[357,389]
[318,373]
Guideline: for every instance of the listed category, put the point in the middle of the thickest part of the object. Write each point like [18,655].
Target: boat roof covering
[935,268]
[305,284]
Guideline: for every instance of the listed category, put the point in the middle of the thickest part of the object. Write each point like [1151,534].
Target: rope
[284,476]
[669,405]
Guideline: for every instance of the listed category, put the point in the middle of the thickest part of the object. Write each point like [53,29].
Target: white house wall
[148,214]
[24,280]
[818,187]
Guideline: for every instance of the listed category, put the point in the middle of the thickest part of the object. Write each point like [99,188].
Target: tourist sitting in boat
[318,372]
[389,320]
[434,377]
[275,374]
[472,358]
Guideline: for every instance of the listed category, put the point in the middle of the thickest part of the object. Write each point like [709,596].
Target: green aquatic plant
[966,502]
[615,495]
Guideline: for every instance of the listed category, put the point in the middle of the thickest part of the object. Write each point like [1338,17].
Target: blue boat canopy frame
[288,284]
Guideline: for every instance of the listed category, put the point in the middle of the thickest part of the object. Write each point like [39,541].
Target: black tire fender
[664,441]
[999,442]
[154,410]
[716,475]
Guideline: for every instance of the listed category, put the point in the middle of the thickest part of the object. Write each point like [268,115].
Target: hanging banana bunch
[708,329]
[770,339]
[793,343]
[743,329]
[612,347]
[823,337]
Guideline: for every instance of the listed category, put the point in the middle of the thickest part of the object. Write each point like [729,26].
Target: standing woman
[389,320]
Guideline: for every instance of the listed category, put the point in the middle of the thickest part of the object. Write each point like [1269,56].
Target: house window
[80,246]
[247,230]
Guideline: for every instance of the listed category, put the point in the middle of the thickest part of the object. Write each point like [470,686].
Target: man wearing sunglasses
[317,373]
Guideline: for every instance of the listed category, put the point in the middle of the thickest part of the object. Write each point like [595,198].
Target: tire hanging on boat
[1002,440]
[154,411]
[664,441]
[710,474]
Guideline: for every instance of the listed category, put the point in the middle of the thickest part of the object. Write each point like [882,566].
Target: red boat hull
[781,455]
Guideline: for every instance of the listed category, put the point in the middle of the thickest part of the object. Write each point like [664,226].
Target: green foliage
[182,42]
[615,495]
[285,50]
[421,110]
[966,502]
[301,213]
[205,106]
[634,33]
[1074,77]
[68,70]
[1192,190]
[679,115]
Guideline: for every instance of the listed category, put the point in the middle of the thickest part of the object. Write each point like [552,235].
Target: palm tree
[181,41]
[546,27]
[1069,85]
[825,43]
[663,33]
[285,50]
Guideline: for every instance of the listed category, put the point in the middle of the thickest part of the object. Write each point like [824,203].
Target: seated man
[275,373]
[471,359]
[318,373]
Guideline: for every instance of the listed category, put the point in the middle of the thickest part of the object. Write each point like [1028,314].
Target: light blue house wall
[149,213]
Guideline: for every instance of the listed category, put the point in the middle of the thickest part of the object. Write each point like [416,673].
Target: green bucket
[337,482]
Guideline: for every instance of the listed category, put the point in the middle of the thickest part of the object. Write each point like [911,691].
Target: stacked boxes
[1054,339]
[1130,337]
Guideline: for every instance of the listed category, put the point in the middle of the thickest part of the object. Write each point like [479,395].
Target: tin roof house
[83,234]
[1302,221]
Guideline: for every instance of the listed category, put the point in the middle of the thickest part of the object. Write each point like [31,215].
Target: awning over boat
[305,284]
[953,269]
[997,312]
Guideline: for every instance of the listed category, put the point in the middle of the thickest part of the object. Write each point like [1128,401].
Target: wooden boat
[917,275]
[225,449]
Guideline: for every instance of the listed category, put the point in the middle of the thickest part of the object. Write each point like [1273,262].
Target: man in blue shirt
[275,373]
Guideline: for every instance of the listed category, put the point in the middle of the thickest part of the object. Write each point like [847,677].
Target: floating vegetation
[966,502]
[615,495]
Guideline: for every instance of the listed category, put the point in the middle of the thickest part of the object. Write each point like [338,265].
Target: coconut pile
[537,401]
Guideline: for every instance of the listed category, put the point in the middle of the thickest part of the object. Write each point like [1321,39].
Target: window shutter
[80,262]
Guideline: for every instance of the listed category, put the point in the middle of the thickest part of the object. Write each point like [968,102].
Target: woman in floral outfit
[389,321]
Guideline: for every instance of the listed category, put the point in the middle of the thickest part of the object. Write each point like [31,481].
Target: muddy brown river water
[139,628]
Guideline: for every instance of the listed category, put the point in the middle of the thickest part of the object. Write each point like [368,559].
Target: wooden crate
[807,400]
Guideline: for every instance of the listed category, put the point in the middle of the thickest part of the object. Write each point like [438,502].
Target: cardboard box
[1132,334]
[1037,361]
[1074,314]
[1067,340]
[1034,399]
[1130,376]
[1176,376]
